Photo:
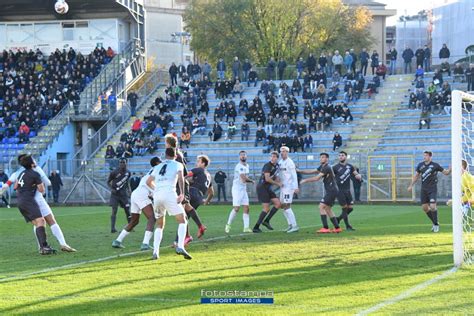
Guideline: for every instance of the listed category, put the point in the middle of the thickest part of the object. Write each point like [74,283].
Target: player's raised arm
[313,171]
[312,179]
[180,185]
[447,172]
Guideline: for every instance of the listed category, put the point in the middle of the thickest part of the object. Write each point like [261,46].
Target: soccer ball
[61,7]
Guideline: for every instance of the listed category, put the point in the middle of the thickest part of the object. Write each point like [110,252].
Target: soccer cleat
[117,244]
[289,228]
[8,206]
[188,240]
[435,228]
[184,253]
[267,225]
[323,231]
[47,250]
[201,231]
[336,230]
[67,248]
[144,247]
[155,257]
[248,230]
[350,229]
[227,228]
[293,229]
[257,230]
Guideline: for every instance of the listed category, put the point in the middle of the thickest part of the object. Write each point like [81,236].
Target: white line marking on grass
[408,292]
[127,254]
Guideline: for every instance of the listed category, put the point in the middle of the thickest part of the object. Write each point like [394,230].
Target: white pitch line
[407,293]
[73,265]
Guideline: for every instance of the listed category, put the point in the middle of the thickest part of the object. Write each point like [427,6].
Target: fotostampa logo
[236,297]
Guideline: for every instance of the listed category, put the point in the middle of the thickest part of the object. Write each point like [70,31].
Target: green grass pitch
[391,252]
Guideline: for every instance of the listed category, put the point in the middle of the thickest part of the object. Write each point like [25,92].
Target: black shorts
[29,209]
[265,194]
[428,195]
[119,199]
[195,197]
[329,198]
[345,198]
[187,197]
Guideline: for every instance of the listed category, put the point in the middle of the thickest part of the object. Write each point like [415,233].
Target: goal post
[462,148]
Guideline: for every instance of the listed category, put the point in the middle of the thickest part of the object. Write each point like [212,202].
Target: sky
[408,7]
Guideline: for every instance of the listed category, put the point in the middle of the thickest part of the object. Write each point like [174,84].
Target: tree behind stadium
[260,29]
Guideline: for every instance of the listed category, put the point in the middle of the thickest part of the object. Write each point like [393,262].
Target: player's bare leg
[434,217]
[150,216]
[57,232]
[324,219]
[275,208]
[427,209]
[191,213]
[40,231]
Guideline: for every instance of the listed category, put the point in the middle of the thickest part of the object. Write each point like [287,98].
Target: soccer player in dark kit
[118,183]
[265,194]
[344,172]
[428,172]
[27,183]
[326,173]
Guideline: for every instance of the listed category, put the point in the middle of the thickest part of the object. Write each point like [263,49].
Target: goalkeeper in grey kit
[119,196]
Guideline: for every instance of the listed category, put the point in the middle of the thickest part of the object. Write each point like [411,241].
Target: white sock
[146,239]
[292,217]
[232,215]
[246,219]
[122,235]
[36,237]
[181,234]
[285,212]
[57,232]
[156,240]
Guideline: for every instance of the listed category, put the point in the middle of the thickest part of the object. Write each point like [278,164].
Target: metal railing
[112,77]
[117,120]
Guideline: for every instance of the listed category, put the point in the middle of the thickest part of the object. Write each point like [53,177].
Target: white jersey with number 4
[239,188]
[165,196]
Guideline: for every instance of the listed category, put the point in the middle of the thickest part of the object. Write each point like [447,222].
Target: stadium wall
[62,148]
[82,35]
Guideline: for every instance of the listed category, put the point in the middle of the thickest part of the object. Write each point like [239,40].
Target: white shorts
[240,197]
[42,204]
[167,202]
[286,196]
[138,201]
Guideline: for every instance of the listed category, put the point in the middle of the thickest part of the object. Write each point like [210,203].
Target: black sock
[344,216]
[195,217]
[113,219]
[270,214]
[430,215]
[334,222]
[262,216]
[349,210]
[435,216]
[41,235]
[324,220]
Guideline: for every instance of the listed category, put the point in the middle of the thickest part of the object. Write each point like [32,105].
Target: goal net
[462,138]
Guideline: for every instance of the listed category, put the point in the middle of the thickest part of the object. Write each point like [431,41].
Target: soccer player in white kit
[289,180]
[45,209]
[240,196]
[140,201]
[163,180]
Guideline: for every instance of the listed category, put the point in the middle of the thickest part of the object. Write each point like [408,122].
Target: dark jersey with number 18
[343,173]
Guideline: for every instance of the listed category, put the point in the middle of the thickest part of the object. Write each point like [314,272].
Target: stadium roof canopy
[40,10]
